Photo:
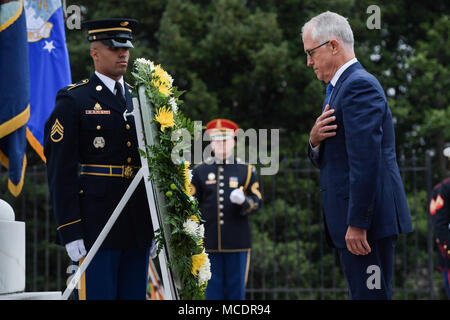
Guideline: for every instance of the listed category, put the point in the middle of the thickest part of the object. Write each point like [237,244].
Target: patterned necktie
[119,93]
[328,94]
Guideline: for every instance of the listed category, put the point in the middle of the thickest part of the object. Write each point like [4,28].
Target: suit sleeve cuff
[362,221]
[314,149]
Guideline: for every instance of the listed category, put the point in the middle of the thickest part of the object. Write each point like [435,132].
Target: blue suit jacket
[359,177]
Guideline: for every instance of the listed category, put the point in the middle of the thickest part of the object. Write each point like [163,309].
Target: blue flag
[49,64]
[14,92]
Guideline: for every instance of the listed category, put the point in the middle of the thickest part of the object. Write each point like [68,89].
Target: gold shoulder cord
[83,82]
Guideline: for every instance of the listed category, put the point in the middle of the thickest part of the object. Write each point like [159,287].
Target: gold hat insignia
[124,24]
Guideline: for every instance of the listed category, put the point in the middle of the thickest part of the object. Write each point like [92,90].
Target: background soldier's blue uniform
[227,230]
[92,156]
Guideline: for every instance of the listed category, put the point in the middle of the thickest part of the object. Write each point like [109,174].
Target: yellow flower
[165,117]
[194,218]
[162,80]
[197,261]
[187,179]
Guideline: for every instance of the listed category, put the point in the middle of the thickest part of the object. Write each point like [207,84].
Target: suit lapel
[107,98]
[341,80]
[335,92]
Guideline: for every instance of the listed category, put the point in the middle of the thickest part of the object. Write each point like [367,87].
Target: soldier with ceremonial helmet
[228,192]
[92,155]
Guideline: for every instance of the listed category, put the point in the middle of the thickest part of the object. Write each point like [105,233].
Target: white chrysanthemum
[204,273]
[201,231]
[174,105]
[190,227]
[190,175]
[145,61]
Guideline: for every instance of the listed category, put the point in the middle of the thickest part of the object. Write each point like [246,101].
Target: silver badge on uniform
[99,142]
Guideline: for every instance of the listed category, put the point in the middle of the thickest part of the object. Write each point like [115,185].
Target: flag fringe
[13,18]
[15,123]
[35,144]
[15,189]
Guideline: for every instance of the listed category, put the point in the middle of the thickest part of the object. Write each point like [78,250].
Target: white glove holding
[76,250]
[237,196]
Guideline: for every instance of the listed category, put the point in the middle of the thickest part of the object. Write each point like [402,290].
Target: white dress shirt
[334,80]
[110,83]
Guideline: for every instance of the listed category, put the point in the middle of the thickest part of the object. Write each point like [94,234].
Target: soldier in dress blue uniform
[439,210]
[92,155]
[228,192]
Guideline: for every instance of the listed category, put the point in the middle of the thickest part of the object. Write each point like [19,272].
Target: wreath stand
[143,115]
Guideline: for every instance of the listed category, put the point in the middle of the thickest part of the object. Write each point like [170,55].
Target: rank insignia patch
[57,131]
[436,204]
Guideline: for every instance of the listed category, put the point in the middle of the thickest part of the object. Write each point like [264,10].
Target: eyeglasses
[309,52]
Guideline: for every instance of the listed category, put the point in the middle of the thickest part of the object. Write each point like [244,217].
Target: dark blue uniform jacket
[87,129]
[226,228]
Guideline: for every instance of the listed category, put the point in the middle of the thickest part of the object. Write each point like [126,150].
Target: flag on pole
[14,92]
[49,64]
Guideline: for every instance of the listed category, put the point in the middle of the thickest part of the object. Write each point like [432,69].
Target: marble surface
[6,211]
[12,256]
[46,295]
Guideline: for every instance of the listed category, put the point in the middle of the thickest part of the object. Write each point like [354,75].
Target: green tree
[148,13]
[231,59]
[244,59]
[429,80]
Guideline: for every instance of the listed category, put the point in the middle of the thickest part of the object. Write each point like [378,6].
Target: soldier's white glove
[237,196]
[76,250]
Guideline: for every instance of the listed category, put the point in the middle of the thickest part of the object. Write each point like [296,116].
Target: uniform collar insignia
[106,97]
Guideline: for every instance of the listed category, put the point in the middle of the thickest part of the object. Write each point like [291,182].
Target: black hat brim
[117,44]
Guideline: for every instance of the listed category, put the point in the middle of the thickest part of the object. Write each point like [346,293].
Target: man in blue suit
[353,144]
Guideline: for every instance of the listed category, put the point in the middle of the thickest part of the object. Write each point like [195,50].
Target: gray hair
[329,25]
